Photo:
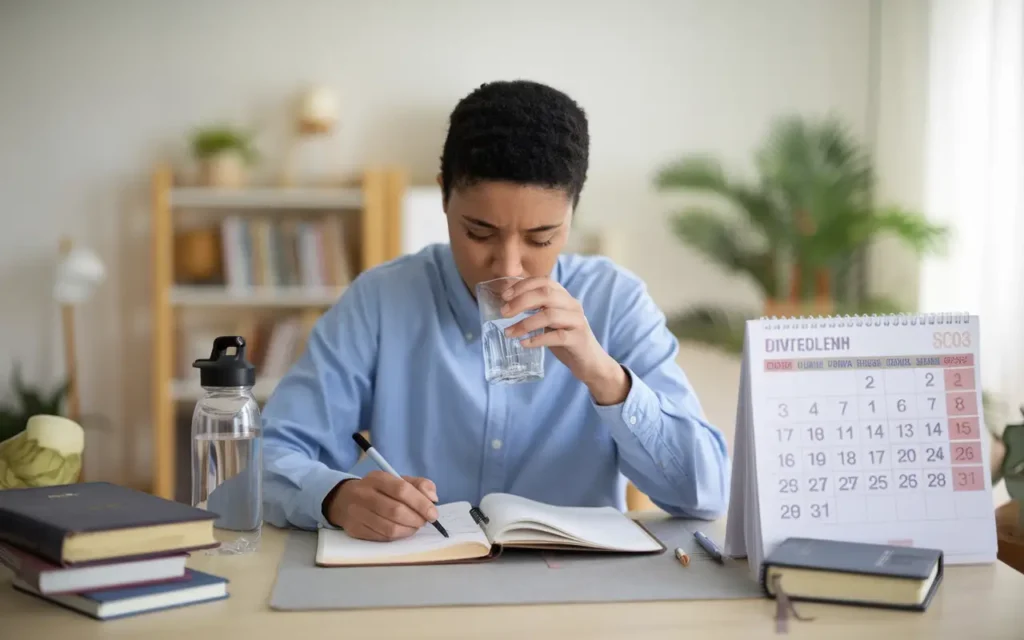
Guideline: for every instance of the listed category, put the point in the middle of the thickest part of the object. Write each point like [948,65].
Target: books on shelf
[105,550]
[284,252]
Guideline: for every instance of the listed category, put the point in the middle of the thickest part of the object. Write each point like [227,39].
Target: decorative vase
[816,302]
[197,255]
[225,169]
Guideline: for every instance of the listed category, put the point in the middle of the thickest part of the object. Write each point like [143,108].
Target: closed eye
[476,236]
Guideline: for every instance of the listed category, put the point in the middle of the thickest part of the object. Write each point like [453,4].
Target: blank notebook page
[455,517]
[605,527]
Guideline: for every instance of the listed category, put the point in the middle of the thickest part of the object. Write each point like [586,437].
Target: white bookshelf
[269,297]
[261,198]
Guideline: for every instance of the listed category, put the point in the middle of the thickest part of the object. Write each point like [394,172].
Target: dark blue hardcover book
[854,573]
[109,604]
[99,521]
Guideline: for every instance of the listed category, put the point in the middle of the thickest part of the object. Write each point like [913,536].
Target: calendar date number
[794,512]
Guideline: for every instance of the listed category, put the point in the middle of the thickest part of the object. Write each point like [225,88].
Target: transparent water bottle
[227,451]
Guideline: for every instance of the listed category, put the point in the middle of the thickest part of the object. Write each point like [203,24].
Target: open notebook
[502,520]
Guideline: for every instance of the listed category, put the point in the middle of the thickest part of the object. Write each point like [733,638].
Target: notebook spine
[873,320]
[478,516]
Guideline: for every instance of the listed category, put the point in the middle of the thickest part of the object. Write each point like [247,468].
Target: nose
[508,260]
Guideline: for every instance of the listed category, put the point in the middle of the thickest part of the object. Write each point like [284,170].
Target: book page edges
[461,552]
[568,543]
[137,541]
[851,587]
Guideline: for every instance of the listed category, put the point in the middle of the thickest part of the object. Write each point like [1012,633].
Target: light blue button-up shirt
[400,355]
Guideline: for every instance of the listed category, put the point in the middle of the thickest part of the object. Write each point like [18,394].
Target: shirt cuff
[318,484]
[631,416]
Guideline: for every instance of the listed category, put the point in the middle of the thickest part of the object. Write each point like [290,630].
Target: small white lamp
[316,115]
[318,111]
[79,272]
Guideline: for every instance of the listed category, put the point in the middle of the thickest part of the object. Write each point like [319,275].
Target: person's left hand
[565,331]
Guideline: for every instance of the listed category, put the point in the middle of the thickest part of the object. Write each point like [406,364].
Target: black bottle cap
[224,369]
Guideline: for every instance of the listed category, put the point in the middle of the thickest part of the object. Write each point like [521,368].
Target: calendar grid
[890,431]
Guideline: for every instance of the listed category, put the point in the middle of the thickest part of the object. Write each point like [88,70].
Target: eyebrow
[488,225]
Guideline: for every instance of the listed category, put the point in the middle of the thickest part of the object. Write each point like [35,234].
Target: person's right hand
[381,507]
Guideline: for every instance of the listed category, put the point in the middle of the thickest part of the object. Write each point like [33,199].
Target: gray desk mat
[515,577]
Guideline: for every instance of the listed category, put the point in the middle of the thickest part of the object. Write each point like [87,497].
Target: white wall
[94,93]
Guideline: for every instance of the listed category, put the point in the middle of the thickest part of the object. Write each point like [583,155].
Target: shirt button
[495,444]
[632,419]
[469,336]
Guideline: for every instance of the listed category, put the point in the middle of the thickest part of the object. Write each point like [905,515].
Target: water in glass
[506,360]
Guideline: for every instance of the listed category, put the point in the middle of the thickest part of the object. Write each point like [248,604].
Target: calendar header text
[783,345]
[879,362]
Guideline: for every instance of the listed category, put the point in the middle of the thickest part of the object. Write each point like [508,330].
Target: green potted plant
[224,153]
[797,230]
[28,402]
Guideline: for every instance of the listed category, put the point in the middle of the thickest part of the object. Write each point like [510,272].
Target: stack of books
[105,550]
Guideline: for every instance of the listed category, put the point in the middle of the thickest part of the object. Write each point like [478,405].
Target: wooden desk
[973,602]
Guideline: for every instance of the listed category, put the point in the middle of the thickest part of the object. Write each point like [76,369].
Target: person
[399,356]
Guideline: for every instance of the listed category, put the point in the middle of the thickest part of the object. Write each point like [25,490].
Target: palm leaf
[721,242]
[711,326]
[817,167]
[701,174]
[913,229]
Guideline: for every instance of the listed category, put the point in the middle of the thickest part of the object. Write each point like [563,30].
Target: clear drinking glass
[505,359]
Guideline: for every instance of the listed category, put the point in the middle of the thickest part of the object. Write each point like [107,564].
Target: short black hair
[517,131]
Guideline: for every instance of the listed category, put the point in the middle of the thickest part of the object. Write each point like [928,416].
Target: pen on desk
[710,547]
[383,464]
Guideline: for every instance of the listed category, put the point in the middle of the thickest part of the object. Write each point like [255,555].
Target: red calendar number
[959,379]
[962,404]
[964,429]
[962,453]
[968,478]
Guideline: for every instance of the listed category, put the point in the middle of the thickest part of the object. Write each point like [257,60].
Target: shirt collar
[461,301]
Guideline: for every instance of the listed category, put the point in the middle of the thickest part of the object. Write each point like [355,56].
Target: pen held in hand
[385,466]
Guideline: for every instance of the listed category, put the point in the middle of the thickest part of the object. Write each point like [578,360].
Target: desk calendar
[866,429]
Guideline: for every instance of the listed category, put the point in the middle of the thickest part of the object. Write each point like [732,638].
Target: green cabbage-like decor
[47,453]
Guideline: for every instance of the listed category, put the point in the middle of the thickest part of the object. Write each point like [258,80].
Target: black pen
[383,464]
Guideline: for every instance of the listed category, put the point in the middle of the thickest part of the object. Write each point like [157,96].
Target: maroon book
[98,522]
[47,577]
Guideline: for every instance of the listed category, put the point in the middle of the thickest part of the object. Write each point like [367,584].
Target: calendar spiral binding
[873,320]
